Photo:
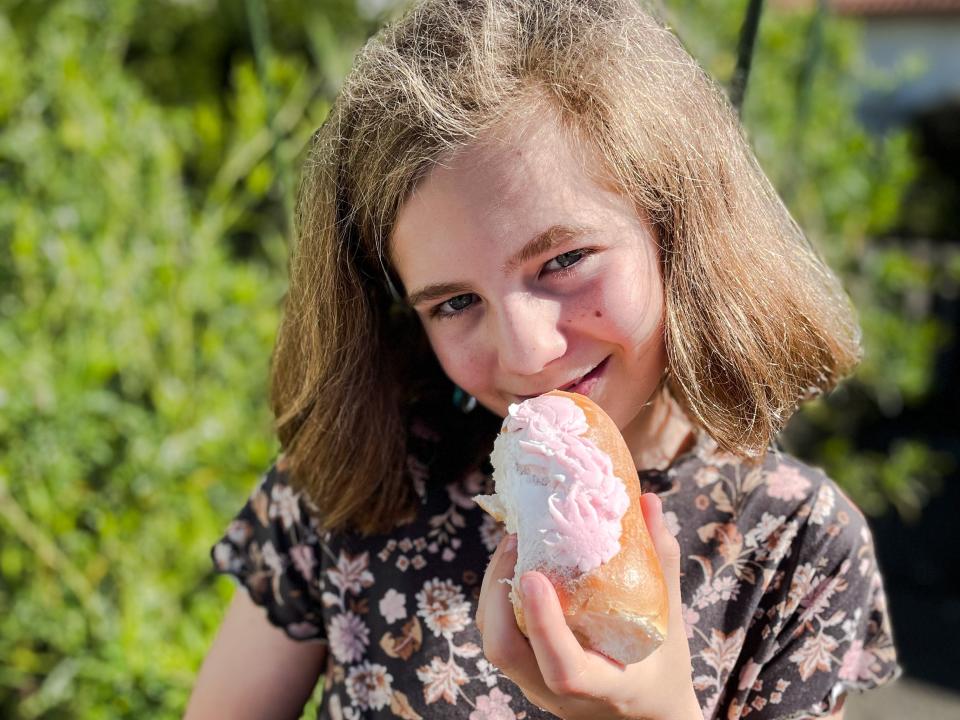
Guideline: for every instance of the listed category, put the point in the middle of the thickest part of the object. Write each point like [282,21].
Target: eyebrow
[541,243]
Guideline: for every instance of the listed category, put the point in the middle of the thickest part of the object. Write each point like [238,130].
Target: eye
[461,303]
[452,307]
[568,259]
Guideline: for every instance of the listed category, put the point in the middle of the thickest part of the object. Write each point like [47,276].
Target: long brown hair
[755,320]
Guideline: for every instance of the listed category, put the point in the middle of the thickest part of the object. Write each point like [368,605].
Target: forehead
[539,152]
[498,192]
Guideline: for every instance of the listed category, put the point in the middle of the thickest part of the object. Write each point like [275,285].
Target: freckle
[597,313]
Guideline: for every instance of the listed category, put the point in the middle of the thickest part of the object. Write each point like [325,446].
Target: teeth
[579,379]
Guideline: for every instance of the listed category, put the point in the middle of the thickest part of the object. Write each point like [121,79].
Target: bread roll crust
[620,608]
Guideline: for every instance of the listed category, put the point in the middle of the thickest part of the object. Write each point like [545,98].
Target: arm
[253,670]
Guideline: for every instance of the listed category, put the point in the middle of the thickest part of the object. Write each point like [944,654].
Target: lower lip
[590,380]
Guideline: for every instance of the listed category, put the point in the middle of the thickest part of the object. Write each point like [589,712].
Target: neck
[659,434]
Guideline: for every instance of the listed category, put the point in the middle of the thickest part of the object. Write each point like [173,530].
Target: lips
[568,386]
[579,382]
[588,382]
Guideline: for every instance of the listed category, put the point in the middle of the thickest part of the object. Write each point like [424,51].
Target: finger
[503,643]
[507,543]
[667,547]
[561,659]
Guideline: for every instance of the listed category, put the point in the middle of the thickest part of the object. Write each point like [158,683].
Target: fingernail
[656,501]
[656,511]
[530,587]
[510,544]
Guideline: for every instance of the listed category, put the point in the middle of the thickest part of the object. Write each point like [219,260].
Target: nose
[528,336]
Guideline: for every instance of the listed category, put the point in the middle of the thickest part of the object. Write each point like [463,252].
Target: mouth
[584,385]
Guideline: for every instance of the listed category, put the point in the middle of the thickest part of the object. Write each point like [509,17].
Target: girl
[512,196]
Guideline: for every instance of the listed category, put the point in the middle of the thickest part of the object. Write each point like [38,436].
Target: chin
[624,414]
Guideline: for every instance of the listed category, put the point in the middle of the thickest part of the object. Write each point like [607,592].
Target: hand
[555,673]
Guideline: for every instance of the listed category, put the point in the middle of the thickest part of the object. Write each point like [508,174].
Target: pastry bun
[566,484]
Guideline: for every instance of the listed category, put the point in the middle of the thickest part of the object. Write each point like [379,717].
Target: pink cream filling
[587,501]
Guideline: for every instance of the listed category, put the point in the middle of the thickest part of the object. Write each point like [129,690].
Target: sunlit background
[149,155]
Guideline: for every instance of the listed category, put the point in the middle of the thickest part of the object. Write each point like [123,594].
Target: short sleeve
[273,548]
[830,628]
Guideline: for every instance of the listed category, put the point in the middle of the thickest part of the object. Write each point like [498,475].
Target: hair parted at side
[755,320]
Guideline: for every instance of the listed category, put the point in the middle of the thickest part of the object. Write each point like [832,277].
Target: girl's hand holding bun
[557,674]
[592,627]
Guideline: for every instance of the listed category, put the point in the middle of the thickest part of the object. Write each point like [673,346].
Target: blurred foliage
[148,161]
[846,188]
[147,165]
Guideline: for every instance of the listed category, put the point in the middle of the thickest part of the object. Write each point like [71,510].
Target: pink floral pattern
[495,706]
[783,603]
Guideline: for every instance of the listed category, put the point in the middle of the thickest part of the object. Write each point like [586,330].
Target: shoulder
[780,480]
[277,500]
[830,525]
[276,516]
[273,547]
[779,504]
[782,568]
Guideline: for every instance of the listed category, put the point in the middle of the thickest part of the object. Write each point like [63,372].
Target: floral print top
[782,600]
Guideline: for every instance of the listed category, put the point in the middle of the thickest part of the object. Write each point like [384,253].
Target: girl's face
[528,276]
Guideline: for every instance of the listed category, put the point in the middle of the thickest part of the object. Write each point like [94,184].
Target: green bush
[148,159]
[141,272]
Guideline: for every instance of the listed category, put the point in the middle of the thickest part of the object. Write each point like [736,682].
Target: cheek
[461,362]
[641,314]
[645,318]
[624,309]
[591,305]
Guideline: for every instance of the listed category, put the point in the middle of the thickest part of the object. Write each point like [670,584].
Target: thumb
[666,545]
